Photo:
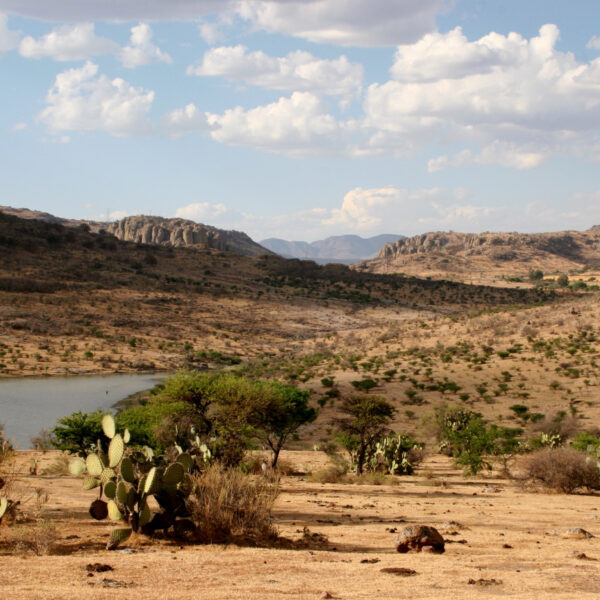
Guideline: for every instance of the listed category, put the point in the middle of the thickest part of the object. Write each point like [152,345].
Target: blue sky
[303,119]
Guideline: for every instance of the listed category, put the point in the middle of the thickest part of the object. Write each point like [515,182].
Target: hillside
[157,231]
[73,301]
[345,249]
[492,255]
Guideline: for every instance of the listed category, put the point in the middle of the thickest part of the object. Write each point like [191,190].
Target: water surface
[28,405]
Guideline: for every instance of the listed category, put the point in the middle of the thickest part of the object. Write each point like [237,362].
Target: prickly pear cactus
[128,479]
[392,454]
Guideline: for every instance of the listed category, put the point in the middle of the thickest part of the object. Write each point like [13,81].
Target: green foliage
[536,275]
[364,385]
[562,281]
[366,422]
[471,440]
[78,433]
[586,442]
[396,454]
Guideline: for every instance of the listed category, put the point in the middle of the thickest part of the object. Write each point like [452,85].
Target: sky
[305,119]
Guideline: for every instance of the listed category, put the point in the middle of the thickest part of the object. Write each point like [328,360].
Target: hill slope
[500,254]
[157,231]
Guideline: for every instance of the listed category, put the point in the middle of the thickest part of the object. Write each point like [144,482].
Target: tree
[366,422]
[536,275]
[562,281]
[284,410]
[78,433]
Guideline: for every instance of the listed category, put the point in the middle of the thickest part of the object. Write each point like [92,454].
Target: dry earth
[511,539]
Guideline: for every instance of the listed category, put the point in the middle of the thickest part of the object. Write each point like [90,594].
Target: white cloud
[8,39]
[123,10]
[20,126]
[202,212]
[513,101]
[497,153]
[210,32]
[345,22]
[298,71]
[80,100]
[594,43]
[68,42]
[184,120]
[296,126]
[141,50]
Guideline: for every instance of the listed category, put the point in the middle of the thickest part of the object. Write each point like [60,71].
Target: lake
[28,405]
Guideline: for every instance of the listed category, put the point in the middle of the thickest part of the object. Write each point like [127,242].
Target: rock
[401,571]
[369,561]
[98,568]
[576,533]
[419,537]
[485,582]
[580,555]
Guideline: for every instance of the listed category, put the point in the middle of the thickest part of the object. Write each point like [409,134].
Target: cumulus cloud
[296,126]
[141,50]
[69,42]
[356,23]
[82,100]
[364,212]
[184,120]
[512,100]
[298,71]
[594,43]
[8,39]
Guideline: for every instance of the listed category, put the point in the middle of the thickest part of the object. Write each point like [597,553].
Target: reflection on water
[28,405]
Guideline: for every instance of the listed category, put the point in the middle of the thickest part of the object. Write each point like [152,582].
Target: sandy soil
[511,539]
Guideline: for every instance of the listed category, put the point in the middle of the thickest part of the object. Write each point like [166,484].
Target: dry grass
[32,538]
[228,505]
[562,470]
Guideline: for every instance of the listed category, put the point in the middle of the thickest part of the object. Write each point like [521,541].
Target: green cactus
[128,479]
[392,454]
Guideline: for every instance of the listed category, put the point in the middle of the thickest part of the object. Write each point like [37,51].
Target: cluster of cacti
[392,454]
[550,440]
[128,479]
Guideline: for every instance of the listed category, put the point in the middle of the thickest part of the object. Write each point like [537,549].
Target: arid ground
[506,541]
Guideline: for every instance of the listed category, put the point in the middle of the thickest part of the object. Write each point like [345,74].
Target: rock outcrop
[417,538]
[464,252]
[181,232]
[157,231]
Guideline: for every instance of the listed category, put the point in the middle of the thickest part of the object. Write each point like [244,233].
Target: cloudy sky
[301,119]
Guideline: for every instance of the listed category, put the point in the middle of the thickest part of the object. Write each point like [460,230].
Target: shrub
[78,433]
[562,470]
[227,505]
[586,441]
[330,474]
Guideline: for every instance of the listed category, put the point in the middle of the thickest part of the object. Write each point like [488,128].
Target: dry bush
[330,474]
[32,538]
[564,425]
[375,478]
[562,470]
[228,505]
[59,467]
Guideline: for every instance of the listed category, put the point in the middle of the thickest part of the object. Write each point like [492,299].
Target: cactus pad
[94,465]
[127,470]
[3,506]
[174,474]
[77,467]
[108,426]
[107,475]
[186,461]
[110,489]
[126,436]
[118,536]
[145,514]
[89,483]
[98,510]
[115,451]
[152,483]
[113,511]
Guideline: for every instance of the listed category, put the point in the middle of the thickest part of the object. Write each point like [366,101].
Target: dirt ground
[507,541]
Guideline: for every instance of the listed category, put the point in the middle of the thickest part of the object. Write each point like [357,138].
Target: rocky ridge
[157,231]
[463,252]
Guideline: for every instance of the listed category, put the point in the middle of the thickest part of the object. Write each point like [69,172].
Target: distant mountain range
[346,249]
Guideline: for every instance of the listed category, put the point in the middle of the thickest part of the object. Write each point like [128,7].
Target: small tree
[78,433]
[283,412]
[366,422]
[562,281]
[536,275]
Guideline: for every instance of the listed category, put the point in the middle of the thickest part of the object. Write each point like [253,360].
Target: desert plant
[562,470]
[129,481]
[395,454]
[227,505]
[366,422]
